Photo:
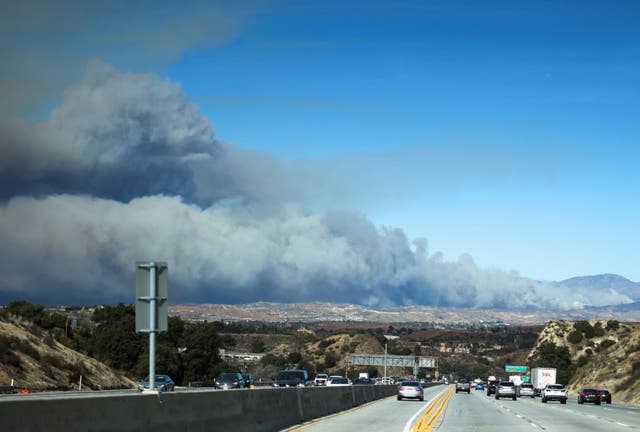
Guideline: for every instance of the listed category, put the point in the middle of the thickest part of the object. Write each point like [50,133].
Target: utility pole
[385,361]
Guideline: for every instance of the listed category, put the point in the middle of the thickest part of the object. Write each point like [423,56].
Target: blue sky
[527,112]
[502,130]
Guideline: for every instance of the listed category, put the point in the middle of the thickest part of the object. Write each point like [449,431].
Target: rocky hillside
[605,354]
[34,360]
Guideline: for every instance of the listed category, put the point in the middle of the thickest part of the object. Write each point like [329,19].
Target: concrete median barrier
[255,410]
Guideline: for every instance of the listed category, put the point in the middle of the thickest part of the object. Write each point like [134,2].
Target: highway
[478,412]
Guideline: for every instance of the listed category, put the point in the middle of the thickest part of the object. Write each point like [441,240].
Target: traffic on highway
[446,410]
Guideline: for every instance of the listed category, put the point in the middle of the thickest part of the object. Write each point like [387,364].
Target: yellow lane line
[431,415]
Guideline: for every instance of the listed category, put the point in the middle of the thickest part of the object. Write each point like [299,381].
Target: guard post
[151,306]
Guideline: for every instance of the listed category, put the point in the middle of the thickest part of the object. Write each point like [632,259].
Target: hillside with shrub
[595,354]
[49,349]
[34,360]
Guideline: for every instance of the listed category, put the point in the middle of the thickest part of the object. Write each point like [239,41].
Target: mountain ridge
[604,281]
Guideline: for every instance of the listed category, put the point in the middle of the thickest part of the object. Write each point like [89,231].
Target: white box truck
[516,379]
[540,377]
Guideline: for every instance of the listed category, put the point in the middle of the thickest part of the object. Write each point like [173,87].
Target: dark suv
[229,380]
[291,378]
[605,396]
[491,387]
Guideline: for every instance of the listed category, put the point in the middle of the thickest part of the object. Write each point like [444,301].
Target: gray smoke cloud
[128,169]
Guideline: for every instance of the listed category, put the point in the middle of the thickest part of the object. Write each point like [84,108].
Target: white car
[320,380]
[410,389]
[506,389]
[553,392]
[527,390]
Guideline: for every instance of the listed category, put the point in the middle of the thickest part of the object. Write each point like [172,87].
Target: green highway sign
[516,369]
[526,378]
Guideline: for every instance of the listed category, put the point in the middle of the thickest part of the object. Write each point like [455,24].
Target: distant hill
[604,282]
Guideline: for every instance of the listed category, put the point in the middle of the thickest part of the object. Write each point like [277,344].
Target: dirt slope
[35,361]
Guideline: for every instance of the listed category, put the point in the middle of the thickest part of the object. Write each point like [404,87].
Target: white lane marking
[408,426]
[622,424]
[534,425]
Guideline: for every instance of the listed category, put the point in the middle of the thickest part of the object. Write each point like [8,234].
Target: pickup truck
[463,386]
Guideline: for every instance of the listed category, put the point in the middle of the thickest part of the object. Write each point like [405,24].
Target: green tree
[294,358]
[585,328]
[598,330]
[550,355]
[575,337]
[613,325]
[330,359]
[201,345]
[114,340]
[25,310]
[257,345]
[416,350]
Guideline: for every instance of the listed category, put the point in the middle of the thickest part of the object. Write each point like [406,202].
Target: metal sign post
[151,306]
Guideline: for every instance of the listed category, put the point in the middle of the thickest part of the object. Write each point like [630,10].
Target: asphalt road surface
[478,412]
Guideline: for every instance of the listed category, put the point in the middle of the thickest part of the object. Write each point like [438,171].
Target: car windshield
[228,376]
[506,384]
[556,387]
[589,391]
[410,384]
[158,378]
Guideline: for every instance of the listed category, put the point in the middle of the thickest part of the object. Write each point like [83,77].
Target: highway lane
[384,415]
[526,413]
[478,412]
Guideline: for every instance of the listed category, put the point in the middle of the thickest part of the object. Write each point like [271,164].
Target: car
[491,387]
[479,386]
[291,378]
[506,389]
[589,395]
[320,380]
[162,383]
[605,396]
[463,386]
[554,392]
[230,380]
[248,380]
[332,377]
[411,390]
[527,389]
[338,381]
